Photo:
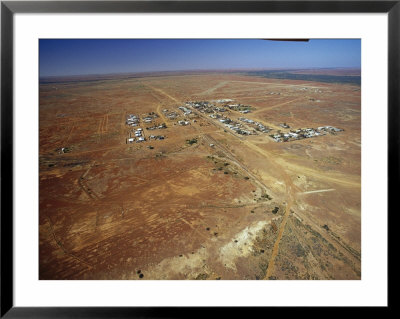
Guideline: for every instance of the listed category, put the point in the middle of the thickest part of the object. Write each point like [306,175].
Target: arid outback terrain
[261,182]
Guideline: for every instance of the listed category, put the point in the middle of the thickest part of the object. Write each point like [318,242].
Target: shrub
[192,141]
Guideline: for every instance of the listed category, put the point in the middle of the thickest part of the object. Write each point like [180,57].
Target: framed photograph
[164,155]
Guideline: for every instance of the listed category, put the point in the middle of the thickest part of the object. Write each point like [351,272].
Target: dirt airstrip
[203,202]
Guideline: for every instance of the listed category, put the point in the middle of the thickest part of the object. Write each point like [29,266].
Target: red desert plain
[200,175]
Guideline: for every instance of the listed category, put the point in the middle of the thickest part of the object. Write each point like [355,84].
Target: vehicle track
[62,247]
[215,87]
[325,176]
[315,265]
[69,135]
[319,191]
[277,105]
[233,159]
[331,238]
[275,249]
[160,103]
[162,92]
[83,185]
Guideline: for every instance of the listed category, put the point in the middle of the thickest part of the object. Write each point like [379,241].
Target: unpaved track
[62,247]
[338,244]
[100,127]
[194,229]
[162,92]
[337,178]
[275,249]
[313,262]
[159,111]
[83,185]
[277,105]
[212,89]
[123,123]
[233,159]
[69,135]
[319,191]
[103,125]
[161,114]
[290,195]
[106,124]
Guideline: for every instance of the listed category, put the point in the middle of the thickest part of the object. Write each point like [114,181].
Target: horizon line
[202,70]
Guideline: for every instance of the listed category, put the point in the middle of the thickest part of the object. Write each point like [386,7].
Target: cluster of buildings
[185,110]
[157,127]
[156,137]
[304,133]
[137,134]
[207,107]
[240,108]
[214,112]
[171,115]
[235,126]
[132,120]
[149,117]
[258,126]
[202,106]
[219,109]
[215,116]
[310,89]
[183,123]
[329,129]
[139,137]
[248,127]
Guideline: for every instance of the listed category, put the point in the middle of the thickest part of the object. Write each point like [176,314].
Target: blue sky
[92,56]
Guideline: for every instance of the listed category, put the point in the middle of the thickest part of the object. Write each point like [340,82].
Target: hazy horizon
[197,70]
[89,57]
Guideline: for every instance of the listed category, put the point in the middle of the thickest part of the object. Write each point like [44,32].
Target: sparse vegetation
[265,197]
[191,141]
[201,277]
[274,227]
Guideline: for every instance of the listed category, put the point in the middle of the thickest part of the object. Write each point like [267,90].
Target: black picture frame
[9,8]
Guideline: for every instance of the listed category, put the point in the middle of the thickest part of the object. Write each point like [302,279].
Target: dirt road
[278,105]
[212,89]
